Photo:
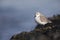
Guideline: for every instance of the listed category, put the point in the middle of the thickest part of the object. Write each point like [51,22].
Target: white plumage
[41,19]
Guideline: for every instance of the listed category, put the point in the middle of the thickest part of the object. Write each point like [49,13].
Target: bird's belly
[39,21]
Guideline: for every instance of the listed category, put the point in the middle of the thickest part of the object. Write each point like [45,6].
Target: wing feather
[43,19]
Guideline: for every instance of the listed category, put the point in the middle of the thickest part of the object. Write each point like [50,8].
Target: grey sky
[45,6]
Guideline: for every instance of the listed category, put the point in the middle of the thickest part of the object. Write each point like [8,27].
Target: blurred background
[18,15]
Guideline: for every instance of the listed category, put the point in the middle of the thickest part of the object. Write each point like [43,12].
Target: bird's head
[38,14]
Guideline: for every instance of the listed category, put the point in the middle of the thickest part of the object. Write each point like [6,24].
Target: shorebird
[41,19]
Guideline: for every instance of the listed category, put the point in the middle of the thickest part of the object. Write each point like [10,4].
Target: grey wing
[43,19]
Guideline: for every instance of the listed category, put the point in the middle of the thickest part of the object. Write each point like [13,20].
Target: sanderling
[41,19]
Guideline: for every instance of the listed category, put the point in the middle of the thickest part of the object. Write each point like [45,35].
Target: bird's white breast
[37,19]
